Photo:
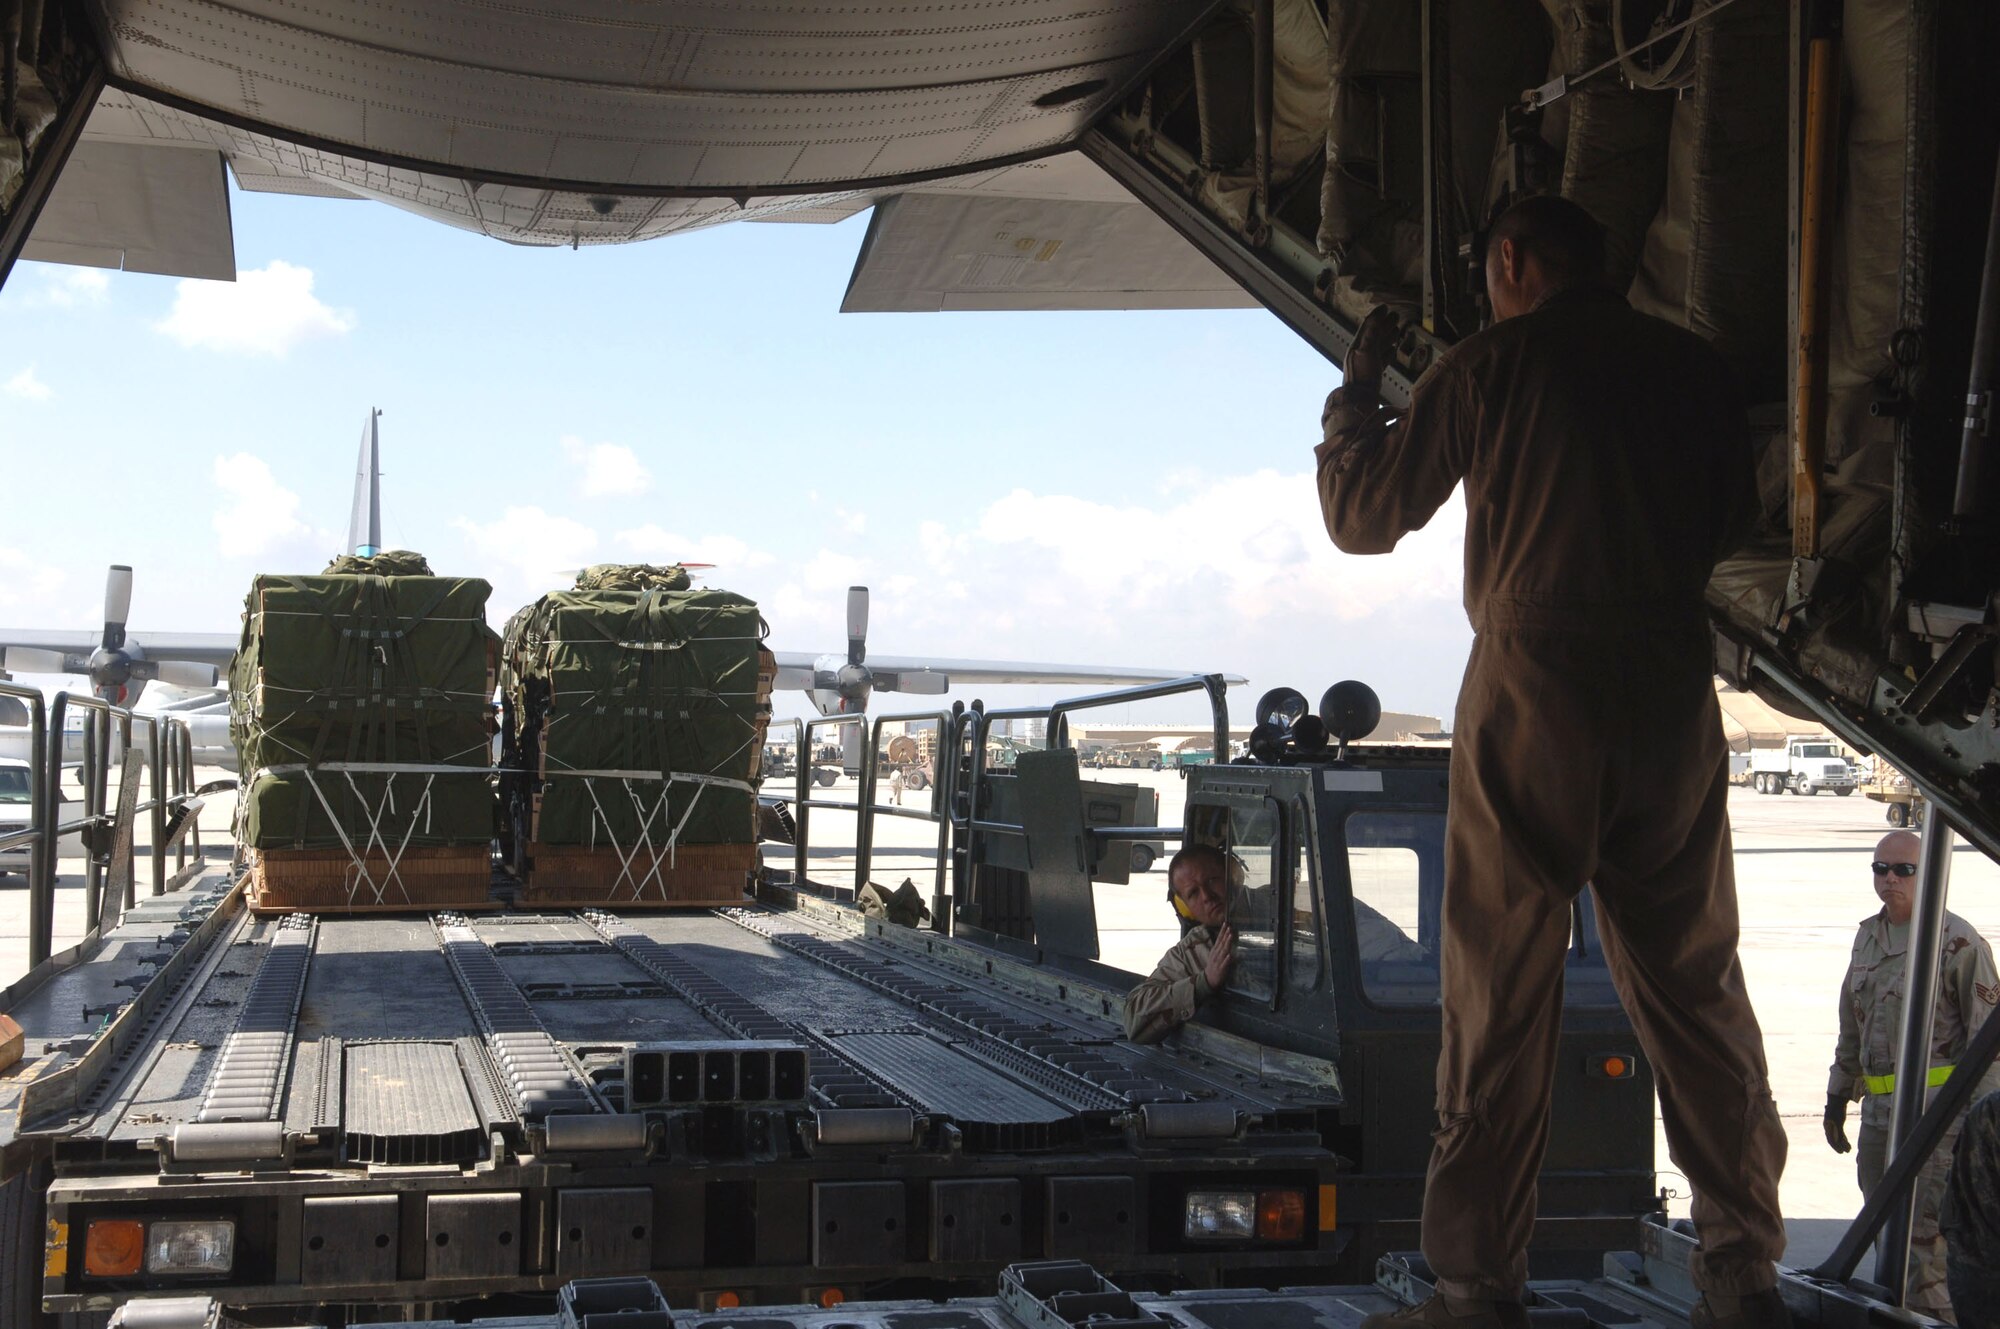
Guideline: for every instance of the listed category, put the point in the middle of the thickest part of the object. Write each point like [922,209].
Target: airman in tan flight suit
[1195,967]
[1871,1027]
[1606,466]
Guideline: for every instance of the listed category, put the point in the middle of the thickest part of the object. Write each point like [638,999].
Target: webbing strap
[1886,1084]
[645,840]
[392,857]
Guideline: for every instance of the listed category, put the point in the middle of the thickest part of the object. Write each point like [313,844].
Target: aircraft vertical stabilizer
[364,527]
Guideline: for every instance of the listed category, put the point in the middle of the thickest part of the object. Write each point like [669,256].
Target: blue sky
[1121,488]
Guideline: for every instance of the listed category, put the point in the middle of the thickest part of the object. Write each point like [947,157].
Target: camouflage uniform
[1864,1066]
[1970,1218]
[1167,999]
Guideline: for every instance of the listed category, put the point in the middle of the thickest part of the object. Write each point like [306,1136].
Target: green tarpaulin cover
[364,669]
[648,683]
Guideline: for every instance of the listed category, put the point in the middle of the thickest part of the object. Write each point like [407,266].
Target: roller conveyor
[251,1071]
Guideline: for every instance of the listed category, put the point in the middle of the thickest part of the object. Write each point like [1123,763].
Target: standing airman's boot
[1751,1310]
[1442,1312]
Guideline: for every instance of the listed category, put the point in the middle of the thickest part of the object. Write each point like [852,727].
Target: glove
[1836,1125]
[1349,426]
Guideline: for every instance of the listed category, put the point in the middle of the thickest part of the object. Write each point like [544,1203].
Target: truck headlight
[1221,1215]
[206,1246]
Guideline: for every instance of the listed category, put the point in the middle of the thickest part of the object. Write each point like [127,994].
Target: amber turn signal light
[113,1247]
[1281,1215]
[1612,1066]
[832,1297]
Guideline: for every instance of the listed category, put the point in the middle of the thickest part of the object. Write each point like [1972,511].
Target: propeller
[857,624]
[842,686]
[117,606]
[116,665]
[32,660]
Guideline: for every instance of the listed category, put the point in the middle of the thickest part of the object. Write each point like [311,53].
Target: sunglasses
[1900,869]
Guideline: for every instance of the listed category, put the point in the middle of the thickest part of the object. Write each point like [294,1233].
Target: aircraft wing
[795,665]
[1015,671]
[211,648]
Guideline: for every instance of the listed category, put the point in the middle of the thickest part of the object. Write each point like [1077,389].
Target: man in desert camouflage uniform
[1871,1023]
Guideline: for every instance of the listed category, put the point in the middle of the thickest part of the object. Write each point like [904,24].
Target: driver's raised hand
[1221,958]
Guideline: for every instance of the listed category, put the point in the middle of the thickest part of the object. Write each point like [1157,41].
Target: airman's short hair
[1566,240]
[1191,854]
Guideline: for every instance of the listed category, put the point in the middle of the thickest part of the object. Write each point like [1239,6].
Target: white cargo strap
[393,858]
[645,840]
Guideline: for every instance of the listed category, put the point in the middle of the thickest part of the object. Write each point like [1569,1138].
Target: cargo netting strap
[659,811]
[392,858]
[657,693]
[376,669]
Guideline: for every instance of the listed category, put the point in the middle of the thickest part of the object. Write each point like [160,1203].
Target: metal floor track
[836,1082]
[248,1081]
[1082,1072]
[540,1073]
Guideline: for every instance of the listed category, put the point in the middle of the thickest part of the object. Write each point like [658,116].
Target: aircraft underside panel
[715,98]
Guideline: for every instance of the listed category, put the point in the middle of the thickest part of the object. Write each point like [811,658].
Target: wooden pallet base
[694,876]
[285,881]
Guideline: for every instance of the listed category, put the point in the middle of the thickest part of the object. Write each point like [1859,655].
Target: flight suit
[1970,1218]
[1606,467]
[1167,998]
[1864,1067]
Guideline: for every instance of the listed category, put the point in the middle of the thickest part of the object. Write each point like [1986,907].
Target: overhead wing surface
[560,132]
[138,207]
[927,252]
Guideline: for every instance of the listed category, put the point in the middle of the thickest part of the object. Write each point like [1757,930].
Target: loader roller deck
[489,1090]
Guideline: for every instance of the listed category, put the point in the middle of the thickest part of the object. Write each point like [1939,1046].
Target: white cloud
[851,523]
[265,311]
[526,552]
[66,287]
[829,570]
[1231,573]
[26,384]
[606,470]
[25,583]
[654,544]
[258,514]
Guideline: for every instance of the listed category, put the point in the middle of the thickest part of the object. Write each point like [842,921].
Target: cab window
[1302,965]
[13,784]
[1256,858]
[1395,863]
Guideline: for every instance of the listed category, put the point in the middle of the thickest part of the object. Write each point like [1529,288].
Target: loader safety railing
[970,746]
[107,831]
[38,835]
[934,785]
[956,781]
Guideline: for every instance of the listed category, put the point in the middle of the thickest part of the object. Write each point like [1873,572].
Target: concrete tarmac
[1802,877]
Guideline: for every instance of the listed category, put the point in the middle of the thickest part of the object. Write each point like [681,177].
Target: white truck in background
[1802,766]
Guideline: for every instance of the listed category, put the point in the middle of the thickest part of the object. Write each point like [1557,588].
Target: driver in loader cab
[1195,967]
[1607,468]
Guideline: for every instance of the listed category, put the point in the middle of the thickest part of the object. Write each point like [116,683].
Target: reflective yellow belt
[1882,1084]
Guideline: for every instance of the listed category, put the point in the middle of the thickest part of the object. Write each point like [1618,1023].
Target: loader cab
[1337,915]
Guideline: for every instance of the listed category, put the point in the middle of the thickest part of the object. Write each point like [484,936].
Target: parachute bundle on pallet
[637,709]
[356,697]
